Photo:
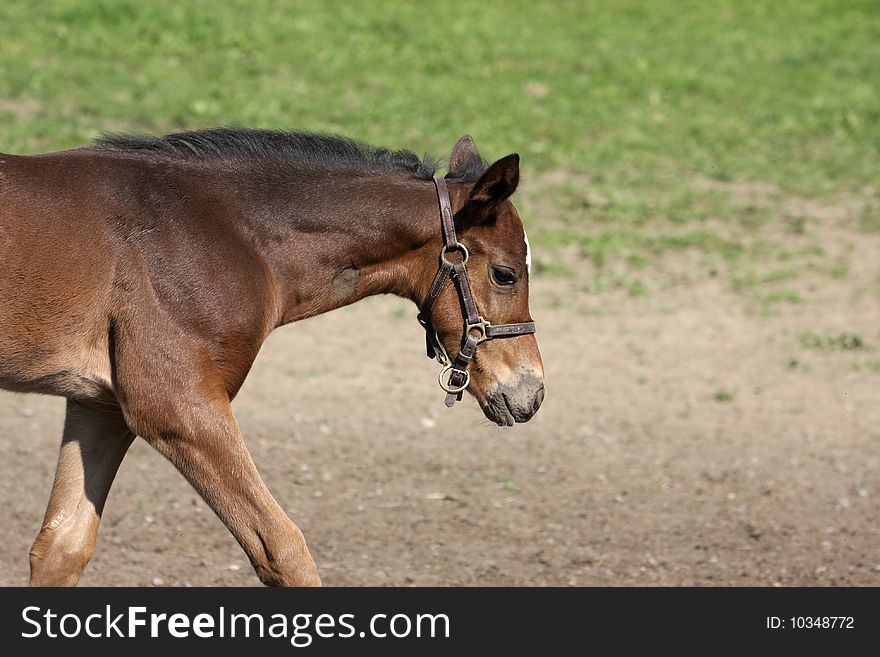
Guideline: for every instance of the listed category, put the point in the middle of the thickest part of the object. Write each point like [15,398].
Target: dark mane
[246,144]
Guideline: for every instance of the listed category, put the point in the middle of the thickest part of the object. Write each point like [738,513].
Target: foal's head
[507,376]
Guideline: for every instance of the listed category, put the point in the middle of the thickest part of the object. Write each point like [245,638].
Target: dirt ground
[685,439]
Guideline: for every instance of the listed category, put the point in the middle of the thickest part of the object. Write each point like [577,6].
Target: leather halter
[476,329]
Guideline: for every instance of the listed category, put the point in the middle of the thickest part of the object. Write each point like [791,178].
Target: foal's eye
[503,275]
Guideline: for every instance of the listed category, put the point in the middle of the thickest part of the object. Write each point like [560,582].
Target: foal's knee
[56,560]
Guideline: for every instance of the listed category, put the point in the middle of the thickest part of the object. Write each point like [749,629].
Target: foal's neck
[351,238]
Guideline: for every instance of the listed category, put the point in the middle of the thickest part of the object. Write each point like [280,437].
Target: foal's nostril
[509,403]
[539,399]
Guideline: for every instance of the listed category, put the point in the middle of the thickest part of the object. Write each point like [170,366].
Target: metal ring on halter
[458,247]
[453,389]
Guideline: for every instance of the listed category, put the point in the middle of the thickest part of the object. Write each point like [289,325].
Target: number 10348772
[811,623]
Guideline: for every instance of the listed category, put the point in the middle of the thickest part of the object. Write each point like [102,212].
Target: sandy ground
[633,473]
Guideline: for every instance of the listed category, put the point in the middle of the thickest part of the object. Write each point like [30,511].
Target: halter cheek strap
[455,377]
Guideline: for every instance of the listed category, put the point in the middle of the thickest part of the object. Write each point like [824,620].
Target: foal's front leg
[202,439]
[94,443]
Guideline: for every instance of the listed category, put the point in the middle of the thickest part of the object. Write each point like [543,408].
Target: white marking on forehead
[528,251]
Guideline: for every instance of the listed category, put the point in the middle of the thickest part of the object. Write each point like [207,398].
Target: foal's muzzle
[518,401]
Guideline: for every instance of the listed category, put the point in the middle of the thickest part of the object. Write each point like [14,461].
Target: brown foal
[140,277]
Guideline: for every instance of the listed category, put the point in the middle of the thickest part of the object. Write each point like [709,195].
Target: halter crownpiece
[476,329]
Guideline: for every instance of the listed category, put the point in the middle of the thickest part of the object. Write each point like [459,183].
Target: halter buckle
[481,325]
[453,390]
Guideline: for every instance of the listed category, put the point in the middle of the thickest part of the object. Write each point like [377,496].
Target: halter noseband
[476,329]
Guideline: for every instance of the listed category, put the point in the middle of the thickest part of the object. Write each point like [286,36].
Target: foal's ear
[465,158]
[496,185]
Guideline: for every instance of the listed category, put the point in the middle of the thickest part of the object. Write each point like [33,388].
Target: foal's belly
[76,373]
[55,285]
[73,384]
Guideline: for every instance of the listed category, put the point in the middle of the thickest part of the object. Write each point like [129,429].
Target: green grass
[869,220]
[637,247]
[751,278]
[654,112]
[867,366]
[507,484]
[843,341]
[723,395]
[542,266]
[782,296]
[794,363]
[783,91]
